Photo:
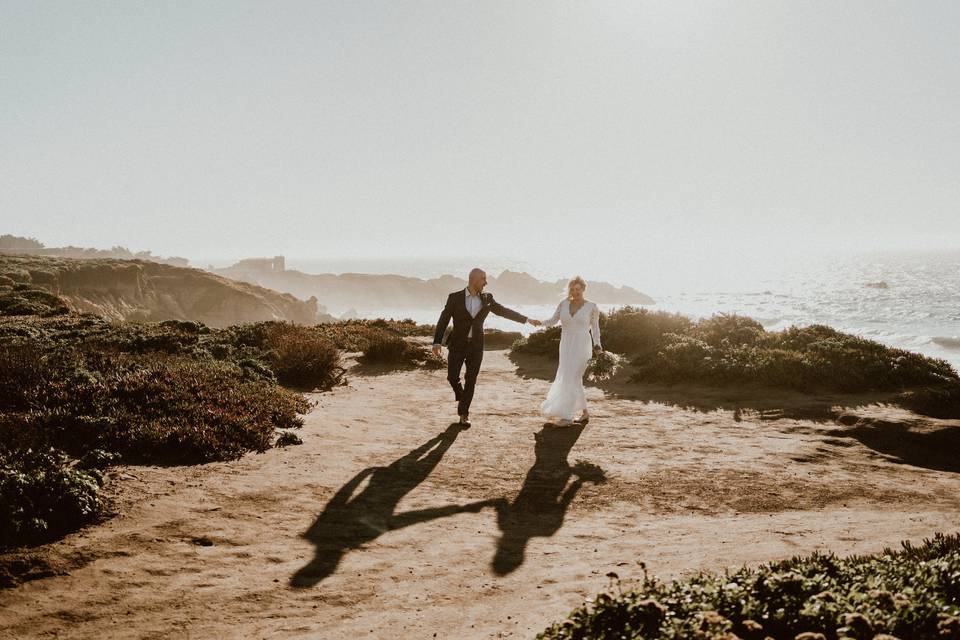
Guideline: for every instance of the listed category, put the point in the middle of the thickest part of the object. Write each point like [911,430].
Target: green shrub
[42,496]
[913,593]
[541,343]
[25,300]
[497,339]
[169,393]
[729,350]
[287,439]
[155,408]
[390,349]
[732,349]
[300,357]
[632,330]
[724,330]
[938,402]
[355,335]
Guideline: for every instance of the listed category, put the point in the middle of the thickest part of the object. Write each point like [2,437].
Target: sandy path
[414,530]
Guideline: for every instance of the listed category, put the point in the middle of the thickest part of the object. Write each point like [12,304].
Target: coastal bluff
[142,290]
[374,291]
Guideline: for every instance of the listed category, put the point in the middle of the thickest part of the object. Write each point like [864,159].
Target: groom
[469,308]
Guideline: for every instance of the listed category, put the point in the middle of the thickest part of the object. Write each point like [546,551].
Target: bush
[725,330]
[355,335]
[25,300]
[497,339]
[303,358]
[159,408]
[42,496]
[169,393]
[541,343]
[390,349]
[910,593]
[632,330]
[729,350]
[938,402]
[287,439]
[732,349]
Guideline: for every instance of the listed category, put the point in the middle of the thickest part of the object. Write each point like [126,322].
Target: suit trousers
[472,356]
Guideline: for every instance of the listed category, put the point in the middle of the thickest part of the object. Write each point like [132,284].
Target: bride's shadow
[349,521]
[541,505]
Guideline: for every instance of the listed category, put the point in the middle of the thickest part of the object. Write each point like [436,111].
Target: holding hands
[534,322]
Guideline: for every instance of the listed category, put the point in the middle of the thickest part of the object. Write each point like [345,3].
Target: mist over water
[906,299]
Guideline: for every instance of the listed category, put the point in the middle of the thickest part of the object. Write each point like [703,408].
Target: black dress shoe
[464,422]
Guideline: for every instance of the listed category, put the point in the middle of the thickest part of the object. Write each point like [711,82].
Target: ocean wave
[946,342]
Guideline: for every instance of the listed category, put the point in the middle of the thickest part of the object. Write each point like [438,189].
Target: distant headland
[373,291]
[338,293]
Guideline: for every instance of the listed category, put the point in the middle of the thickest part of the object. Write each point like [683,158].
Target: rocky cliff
[365,291]
[140,290]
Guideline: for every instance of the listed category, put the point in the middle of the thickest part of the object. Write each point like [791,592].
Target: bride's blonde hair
[576,280]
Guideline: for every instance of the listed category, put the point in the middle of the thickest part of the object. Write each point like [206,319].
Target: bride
[580,336]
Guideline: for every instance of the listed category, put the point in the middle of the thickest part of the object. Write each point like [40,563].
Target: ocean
[906,299]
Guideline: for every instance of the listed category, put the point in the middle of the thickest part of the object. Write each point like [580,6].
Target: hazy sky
[585,132]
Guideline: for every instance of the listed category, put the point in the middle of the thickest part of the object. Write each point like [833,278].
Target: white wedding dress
[579,333]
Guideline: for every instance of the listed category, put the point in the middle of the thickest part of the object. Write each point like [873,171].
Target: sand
[387,523]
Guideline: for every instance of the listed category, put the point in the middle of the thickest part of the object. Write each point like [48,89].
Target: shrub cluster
[391,349]
[732,349]
[542,343]
[43,494]
[20,299]
[355,335]
[139,408]
[912,593]
[77,392]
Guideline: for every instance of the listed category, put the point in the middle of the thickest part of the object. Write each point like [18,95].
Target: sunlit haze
[638,140]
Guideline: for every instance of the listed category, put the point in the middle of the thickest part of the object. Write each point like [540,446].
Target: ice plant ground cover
[912,593]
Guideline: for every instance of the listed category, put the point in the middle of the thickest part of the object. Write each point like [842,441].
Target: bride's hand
[534,322]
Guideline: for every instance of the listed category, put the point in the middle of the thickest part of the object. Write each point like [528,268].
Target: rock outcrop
[351,291]
[138,290]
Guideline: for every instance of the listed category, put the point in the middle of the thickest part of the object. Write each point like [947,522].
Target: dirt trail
[386,523]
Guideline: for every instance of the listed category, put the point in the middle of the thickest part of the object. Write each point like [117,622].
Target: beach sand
[386,523]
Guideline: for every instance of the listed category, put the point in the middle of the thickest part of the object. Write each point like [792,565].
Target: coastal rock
[138,290]
[372,291]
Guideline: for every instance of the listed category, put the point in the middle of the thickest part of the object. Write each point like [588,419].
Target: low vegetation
[356,335]
[19,299]
[392,350]
[733,350]
[78,393]
[911,594]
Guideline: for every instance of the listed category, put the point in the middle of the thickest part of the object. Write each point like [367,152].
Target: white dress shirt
[474,303]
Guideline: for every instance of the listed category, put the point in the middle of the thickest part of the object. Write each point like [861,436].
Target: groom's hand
[436,350]
[534,322]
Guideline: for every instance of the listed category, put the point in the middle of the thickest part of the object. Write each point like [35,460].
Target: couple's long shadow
[349,521]
[541,505]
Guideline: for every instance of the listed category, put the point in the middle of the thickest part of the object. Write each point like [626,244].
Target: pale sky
[592,131]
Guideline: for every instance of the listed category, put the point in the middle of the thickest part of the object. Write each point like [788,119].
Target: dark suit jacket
[456,308]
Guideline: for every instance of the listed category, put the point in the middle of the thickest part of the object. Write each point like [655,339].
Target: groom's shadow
[541,506]
[349,521]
